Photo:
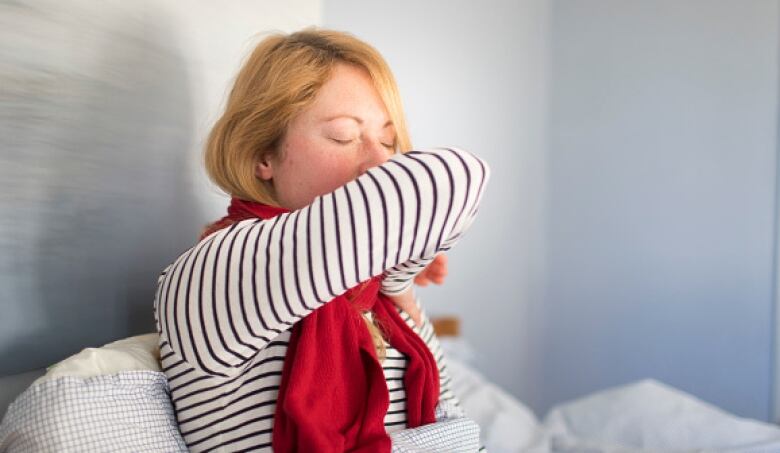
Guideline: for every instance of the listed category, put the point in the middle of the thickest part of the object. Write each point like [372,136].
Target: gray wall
[103,111]
[663,140]
[628,231]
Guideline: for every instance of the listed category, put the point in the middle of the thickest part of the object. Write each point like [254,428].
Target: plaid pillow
[129,411]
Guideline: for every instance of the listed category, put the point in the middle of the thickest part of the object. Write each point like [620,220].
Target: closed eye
[390,146]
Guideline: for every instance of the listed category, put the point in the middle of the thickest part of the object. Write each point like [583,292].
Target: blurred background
[629,231]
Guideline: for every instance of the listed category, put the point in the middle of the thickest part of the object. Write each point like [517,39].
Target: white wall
[215,38]
[474,77]
[663,141]
[628,230]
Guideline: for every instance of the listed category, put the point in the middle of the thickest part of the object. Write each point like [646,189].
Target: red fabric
[333,396]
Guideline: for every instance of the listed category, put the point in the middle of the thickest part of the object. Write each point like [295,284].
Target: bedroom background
[629,231]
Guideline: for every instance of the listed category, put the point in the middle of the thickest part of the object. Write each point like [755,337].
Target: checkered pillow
[453,432]
[129,411]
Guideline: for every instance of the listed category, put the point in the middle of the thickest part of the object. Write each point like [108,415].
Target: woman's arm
[399,278]
[223,300]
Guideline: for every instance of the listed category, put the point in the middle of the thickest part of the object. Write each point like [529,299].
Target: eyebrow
[357,119]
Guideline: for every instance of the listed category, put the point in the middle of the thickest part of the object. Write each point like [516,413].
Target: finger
[427,276]
[438,272]
[440,263]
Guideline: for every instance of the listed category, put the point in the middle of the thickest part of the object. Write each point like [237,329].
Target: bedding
[651,416]
[124,412]
[119,394]
[642,417]
[136,353]
[453,432]
[12,386]
[115,398]
[506,424]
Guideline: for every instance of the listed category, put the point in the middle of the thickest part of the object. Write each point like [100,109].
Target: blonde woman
[292,324]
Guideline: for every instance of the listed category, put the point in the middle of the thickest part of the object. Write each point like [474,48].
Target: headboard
[446,326]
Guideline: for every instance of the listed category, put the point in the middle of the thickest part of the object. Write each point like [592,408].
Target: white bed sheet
[643,417]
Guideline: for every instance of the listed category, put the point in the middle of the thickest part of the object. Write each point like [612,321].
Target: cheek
[313,169]
[335,172]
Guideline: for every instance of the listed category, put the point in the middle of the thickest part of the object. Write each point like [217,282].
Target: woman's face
[345,131]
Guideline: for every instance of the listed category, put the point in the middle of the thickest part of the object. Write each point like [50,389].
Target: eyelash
[347,142]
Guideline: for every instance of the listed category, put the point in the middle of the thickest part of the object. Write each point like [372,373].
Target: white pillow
[139,353]
[651,416]
[507,425]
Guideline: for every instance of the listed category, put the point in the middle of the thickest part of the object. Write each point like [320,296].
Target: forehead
[349,91]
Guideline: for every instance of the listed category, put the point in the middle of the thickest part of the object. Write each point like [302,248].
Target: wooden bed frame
[446,326]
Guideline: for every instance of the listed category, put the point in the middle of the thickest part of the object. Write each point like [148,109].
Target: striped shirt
[224,307]
[394,367]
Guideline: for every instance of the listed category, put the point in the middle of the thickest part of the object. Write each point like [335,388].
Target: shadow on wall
[95,192]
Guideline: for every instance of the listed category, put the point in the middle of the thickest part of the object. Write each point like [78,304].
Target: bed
[127,398]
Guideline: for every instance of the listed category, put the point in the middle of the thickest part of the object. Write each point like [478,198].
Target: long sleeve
[400,277]
[227,297]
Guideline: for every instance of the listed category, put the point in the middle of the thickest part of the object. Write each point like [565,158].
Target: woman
[279,329]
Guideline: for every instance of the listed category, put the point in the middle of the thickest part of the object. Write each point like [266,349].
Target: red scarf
[333,396]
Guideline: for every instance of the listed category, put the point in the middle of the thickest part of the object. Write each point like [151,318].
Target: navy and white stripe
[394,367]
[224,307]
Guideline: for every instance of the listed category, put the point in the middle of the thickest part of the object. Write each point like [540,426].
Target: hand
[405,301]
[433,272]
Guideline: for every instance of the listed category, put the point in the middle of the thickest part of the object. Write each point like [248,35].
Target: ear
[264,169]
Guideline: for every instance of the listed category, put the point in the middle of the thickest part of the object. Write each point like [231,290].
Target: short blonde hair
[280,78]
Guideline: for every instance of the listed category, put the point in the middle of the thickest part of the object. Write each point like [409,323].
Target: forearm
[467,177]
[228,296]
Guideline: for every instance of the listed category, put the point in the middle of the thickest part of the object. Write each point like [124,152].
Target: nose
[374,154]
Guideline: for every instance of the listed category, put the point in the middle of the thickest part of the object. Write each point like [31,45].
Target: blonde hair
[280,78]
